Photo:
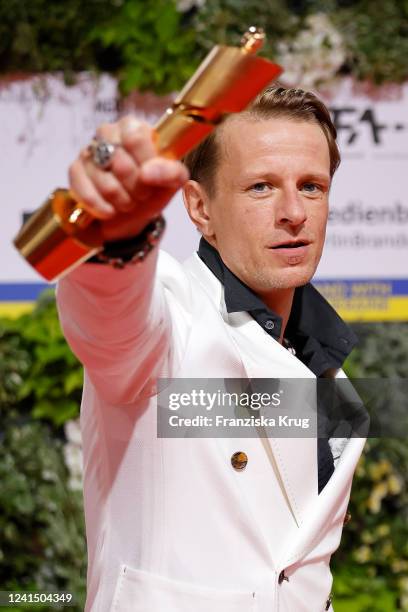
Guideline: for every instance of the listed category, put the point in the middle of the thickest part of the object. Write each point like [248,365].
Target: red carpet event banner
[363,271]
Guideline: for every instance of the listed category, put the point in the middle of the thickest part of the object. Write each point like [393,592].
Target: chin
[292,279]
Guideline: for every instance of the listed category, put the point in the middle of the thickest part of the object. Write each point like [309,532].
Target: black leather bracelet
[120,253]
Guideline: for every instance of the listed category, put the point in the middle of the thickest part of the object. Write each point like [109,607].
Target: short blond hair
[273,102]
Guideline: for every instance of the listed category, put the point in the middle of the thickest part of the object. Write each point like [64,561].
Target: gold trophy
[62,234]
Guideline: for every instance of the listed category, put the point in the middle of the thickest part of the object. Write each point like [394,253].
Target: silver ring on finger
[101,152]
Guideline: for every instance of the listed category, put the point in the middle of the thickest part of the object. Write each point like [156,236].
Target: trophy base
[52,240]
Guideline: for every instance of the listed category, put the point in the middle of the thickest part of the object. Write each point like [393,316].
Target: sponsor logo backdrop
[363,272]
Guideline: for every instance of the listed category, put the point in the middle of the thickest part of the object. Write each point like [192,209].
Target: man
[209,525]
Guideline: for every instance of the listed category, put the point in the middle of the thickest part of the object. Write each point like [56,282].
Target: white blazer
[171,526]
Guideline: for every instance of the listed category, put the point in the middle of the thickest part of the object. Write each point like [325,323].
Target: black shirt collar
[321,338]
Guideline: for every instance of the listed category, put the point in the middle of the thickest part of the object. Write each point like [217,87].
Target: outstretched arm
[116,321]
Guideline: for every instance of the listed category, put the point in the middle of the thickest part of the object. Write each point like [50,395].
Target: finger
[109,187]
[123,165]
[127,225]
[109,132]
[87,194]
[137,139]
[132,224]
[125,169]
[156,174]
[164,173]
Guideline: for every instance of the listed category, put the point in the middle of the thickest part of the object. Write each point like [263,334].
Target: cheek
[320,220]
[250,231]
[324,224]
[320,235]
[255,219]
[238,221]
[240,239]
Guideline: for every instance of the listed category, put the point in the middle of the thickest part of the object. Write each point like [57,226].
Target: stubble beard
[264,281]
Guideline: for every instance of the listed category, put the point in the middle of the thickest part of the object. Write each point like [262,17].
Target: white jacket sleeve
[117,324]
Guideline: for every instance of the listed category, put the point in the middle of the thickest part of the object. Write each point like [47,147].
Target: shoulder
[187,281]
[174,279]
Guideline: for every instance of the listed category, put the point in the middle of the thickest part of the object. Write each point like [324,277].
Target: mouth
[291,244]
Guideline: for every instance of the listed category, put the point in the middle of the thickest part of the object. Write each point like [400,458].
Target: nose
[291,209]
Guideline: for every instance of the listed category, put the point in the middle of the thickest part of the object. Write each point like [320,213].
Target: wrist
[122,252]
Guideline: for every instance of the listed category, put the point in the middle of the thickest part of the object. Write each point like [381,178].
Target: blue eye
[259,187]
[310,187]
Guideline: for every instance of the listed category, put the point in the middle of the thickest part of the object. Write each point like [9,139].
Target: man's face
[268,215]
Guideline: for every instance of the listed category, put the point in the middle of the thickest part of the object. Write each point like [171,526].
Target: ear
[198,207]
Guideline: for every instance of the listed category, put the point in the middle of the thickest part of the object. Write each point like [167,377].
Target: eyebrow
[315,176]
[268,174]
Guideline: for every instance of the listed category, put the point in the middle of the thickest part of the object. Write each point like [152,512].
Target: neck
[280,301]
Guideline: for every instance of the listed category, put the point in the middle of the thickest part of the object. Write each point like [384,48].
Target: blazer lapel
[295,459]
[333,498]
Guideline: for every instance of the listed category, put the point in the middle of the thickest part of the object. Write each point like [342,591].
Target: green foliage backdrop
[42,534]
[371,565]
[42,541]
[156,44]
[41,520]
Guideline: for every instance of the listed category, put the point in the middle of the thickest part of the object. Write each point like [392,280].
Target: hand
[137,186]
